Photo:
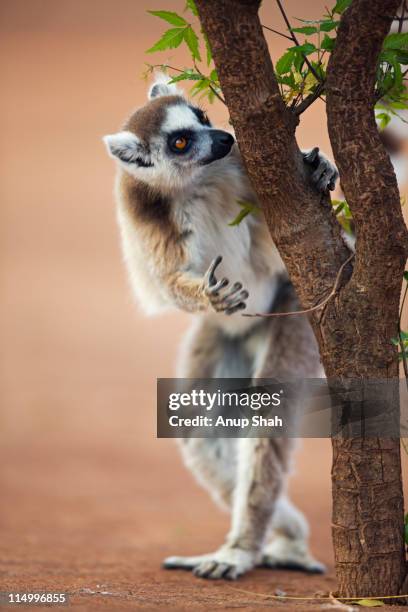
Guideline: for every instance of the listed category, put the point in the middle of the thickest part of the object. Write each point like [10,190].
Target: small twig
[298,110]
[277,32]
[217,95]
[404,358]
[295,101]
[296,41]
[316,597]
[164,66]
[313,308]
[210,85]
[215,92]
[401,19]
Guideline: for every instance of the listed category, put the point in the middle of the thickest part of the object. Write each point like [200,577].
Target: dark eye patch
[201,116]
[187,135]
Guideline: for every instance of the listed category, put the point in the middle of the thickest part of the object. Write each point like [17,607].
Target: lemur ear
[162,87]
[126,147]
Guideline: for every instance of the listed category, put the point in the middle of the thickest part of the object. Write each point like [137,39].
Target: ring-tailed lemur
[178,183]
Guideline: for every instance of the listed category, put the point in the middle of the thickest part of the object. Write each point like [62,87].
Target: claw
[220,571]
[218,286]
[214,570]
[233,300]
[231,310]
[205,569]
[210,274]
[236,287]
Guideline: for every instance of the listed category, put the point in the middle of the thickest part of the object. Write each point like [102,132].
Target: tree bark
[366,475]
[355,328]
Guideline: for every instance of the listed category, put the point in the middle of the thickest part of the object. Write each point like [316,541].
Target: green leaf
[383,120]
[339,208]
[170,40]
[207,48]
[214,75]
[328,43]
[211,96]
[286,80]
[402,56]
[191,5]
[170,17]
[200,86]
[187,75]
[319,69]
[247,209]
[395,341]
[396,41]
[191,39]
[314,21]
[328,26]
[306,30]
[306,49]
[398,105]
[341,6]
[406,275]
[284,63]
[240,217]
[368,603]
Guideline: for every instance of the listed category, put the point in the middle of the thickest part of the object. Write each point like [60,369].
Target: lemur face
[168,141]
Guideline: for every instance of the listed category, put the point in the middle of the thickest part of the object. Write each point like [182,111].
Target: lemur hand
[223,297]
[323,173]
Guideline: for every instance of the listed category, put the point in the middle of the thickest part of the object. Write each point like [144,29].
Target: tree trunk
[354,329]
[367,490]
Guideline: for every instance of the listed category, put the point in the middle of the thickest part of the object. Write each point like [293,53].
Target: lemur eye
[180,143]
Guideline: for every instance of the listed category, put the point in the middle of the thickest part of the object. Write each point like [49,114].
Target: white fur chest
[205,215]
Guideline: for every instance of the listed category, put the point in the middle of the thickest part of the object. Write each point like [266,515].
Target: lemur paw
[226,563]
[323,173]
[223,297]
[285,553]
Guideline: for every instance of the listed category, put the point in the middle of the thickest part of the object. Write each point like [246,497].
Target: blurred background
[91,501]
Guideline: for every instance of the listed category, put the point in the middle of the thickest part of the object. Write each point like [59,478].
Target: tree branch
[277,32]
[300,108]
[367,176]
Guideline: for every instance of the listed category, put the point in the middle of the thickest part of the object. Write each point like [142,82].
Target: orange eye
[180,143]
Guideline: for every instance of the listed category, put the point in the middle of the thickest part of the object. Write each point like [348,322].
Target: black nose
[225,139]
[221,143]
[222,138]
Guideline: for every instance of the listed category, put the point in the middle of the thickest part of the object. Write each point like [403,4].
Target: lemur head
[169,140]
